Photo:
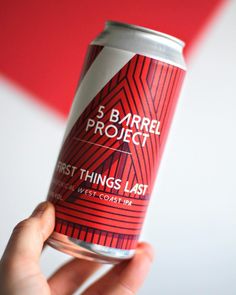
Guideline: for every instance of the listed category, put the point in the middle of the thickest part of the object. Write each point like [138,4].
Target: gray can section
[143,41]
[103,69]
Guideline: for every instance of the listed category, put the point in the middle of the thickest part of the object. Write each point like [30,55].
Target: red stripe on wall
[43,43]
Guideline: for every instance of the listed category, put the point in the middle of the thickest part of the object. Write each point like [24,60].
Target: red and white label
[112,148]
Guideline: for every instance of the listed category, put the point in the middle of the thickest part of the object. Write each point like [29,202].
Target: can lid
[143,41]
[145,30]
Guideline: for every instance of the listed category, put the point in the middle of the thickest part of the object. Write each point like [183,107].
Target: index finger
[127,277]
[71,276]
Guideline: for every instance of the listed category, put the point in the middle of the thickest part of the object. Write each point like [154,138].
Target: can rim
[146,30]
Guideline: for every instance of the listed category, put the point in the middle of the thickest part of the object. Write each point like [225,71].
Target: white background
[192,217]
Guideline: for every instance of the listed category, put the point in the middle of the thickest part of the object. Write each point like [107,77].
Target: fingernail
[40,209]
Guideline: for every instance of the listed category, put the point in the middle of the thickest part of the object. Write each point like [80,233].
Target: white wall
[192,217]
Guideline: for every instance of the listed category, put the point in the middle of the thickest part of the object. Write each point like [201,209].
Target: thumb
[28,237]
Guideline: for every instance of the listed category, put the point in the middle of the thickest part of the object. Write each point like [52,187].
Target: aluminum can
[115,136]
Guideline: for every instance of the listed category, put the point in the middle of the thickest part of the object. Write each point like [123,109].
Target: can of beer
[114,140]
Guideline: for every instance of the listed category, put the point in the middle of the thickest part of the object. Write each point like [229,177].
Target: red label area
[107,165]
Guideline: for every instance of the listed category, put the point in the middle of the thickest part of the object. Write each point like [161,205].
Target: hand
[20,272]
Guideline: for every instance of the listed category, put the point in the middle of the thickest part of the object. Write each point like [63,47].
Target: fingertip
[41,208]
[147,249]
[45,212]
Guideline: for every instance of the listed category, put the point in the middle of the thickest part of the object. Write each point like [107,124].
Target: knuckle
[21,226]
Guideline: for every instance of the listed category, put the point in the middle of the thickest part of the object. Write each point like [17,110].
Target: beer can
[114,140]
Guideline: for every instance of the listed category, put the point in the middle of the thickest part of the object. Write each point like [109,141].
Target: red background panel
[43,43]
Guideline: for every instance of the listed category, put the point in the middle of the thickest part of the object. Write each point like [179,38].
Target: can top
[143,41]
[146,30]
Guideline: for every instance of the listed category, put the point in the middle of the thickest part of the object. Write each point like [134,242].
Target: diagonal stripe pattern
[98,213]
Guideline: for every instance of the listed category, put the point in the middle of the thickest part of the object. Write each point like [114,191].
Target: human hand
[20,272]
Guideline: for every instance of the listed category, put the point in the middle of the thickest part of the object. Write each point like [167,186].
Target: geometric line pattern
[148,88]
